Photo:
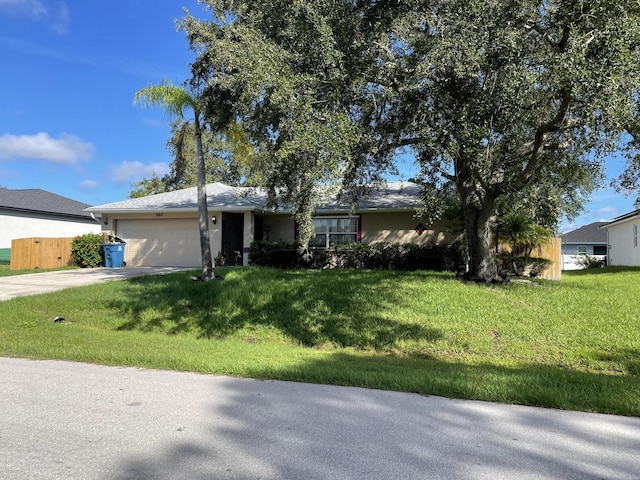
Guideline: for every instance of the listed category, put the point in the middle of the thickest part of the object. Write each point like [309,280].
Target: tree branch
[545,130]
[560,45]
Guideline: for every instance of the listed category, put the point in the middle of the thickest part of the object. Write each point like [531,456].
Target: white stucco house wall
[623,235]
[37,213]
[162,229]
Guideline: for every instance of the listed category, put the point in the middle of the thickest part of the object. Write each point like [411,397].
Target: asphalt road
[72,421]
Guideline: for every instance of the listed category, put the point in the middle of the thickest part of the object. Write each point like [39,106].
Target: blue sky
[67,120]
[69,73]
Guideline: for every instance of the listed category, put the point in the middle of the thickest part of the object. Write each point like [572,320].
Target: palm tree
[174,100]
[522,234]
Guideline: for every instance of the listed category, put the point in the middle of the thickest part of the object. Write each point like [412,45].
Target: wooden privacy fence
[551,251]
[28,253]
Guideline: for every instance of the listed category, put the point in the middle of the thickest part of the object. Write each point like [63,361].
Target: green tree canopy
[509,100]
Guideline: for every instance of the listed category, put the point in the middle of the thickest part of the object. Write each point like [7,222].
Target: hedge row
[382,255]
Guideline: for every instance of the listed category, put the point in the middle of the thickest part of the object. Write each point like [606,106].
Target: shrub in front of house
[441,258]
[274,254]
[86,250]
[375,256]
[385,256]
[522,265]
[318,259]
[354,255]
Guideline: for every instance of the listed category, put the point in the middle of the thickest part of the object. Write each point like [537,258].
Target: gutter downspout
[94,217]
[606,229]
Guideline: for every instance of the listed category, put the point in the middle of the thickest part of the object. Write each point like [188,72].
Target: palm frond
[172,98]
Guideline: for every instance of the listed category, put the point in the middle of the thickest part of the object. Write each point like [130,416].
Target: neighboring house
[587,240]
[622,232]
[162,229]
[38,213]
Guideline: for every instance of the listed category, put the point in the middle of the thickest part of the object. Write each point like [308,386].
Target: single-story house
[587,240]
[162,229]
[37,213]
[622,233]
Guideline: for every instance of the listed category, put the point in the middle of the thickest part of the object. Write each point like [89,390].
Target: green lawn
[573,344]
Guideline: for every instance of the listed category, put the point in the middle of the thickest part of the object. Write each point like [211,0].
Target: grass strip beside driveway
[5,270]
[573,344]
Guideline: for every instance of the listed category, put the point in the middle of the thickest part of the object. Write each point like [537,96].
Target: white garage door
[171,242]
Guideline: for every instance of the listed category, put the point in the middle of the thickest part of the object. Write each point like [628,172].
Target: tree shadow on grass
[532,385]
[312,308]
[626,360]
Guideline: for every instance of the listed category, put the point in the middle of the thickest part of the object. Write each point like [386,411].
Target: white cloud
[152,122]
[89,184]
[60,19]
[607,211]
[136,171]
[56,14]
[33,9]
[68,149]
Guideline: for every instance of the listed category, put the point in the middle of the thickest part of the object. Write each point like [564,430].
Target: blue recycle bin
[113,255]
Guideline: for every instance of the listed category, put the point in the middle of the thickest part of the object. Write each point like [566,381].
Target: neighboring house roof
[389,197]
[587,234]
[622,218]
[40,201]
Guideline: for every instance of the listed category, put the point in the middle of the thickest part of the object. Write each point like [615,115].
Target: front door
[232,233]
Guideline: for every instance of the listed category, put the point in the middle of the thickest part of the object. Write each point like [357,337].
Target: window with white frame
[329,231]
[582,249]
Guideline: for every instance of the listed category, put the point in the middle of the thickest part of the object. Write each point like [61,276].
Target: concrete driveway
[34,283]
[72,421]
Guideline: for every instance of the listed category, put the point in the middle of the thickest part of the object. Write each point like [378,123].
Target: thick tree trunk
[203,213]
[478,223]
[478,205]
[479,211]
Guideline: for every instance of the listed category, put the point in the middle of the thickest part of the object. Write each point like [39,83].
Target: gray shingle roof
[219,196]
[591,233]
[392,196]
[37,200]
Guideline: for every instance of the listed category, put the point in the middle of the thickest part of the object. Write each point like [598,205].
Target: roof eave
[621,220]
[216,208]
[584,242]
[44,212]
[376,210]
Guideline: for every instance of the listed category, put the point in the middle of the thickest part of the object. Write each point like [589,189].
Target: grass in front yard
[573,344]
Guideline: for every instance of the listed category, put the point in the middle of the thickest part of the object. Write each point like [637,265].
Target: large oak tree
[507,99]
